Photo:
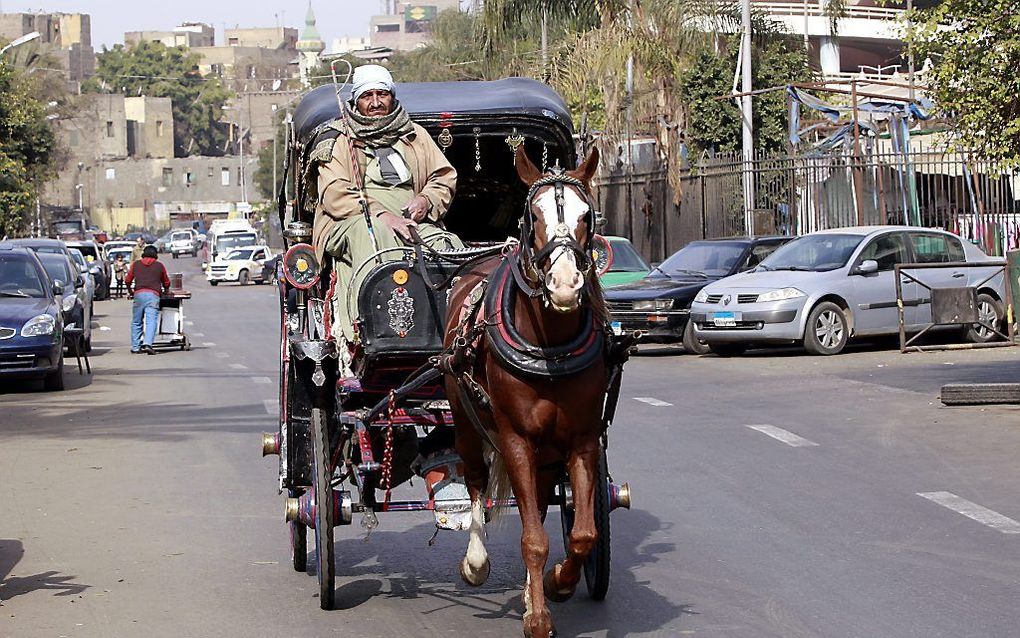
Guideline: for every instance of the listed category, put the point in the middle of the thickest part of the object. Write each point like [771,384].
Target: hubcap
[986,313]
[829,329]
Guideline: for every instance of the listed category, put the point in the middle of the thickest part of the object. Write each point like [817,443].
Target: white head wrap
[372,77]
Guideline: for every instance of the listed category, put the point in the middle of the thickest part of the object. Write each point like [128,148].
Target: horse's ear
[587,169]
[526,170]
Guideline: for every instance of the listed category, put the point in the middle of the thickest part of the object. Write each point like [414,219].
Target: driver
[408,182]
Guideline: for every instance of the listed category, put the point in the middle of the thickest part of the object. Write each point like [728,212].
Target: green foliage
[975,48]
[264,173]
[152,69]
[27,146]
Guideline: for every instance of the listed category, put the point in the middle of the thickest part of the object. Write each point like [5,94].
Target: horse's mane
[598,300]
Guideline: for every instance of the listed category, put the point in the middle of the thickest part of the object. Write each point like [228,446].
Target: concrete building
[256,113]
[405,25]
[150,127]
[310,46]
[349,45]
[239,64]
[189,34]
[65,36]
[268,38]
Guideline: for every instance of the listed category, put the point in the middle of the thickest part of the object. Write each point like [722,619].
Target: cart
[170,332]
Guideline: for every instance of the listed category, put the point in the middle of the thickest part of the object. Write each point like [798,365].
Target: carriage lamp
[601,254]
[300,266]
[270,443]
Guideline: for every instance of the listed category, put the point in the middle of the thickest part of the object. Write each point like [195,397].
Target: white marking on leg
[973,511]
[653,401]
[476,553]
[780,434]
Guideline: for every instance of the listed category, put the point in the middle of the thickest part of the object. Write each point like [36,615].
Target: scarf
[377,132]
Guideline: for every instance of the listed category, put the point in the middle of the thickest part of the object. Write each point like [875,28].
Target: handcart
[170,332]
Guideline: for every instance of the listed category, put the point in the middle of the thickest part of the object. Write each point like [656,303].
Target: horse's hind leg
[562,579]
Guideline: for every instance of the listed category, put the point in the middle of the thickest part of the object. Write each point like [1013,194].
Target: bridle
[530,260]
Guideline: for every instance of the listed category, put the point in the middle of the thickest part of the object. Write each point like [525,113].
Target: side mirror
[867,267]
[58,288]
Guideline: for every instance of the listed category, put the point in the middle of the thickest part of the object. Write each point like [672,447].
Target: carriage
[359,419]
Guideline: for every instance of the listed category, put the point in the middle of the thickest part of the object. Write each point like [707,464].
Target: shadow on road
[11,553]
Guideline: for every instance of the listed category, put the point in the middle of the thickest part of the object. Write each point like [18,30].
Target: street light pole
[747,115]
[28,37]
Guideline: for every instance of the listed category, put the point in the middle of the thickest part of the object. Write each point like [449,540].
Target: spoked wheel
[596,567]
[323,509]
[298,539]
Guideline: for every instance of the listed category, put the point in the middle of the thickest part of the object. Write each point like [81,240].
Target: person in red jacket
[148,279]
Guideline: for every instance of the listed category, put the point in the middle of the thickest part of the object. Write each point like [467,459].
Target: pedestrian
[119,271]
[136,252]
[149,279]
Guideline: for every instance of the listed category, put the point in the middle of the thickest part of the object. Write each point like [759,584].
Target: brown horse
[539,408]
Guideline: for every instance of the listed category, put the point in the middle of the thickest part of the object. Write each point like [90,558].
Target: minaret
[310,46]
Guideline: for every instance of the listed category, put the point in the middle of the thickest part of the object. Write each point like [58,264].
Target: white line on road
[261,380]
[780,434]
[189,323]
[222,355]
[653,401]
[197,334]
[238,366]
[209,344]
[973,511]
[272,406]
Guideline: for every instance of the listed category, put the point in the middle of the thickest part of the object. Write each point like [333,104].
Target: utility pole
[910,47]
[545,43]
[747,115]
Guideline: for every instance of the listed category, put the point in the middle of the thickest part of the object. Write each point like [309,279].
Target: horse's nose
[575,278]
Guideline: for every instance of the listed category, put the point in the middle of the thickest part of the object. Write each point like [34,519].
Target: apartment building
[404,26]
[67,37]
[188,34]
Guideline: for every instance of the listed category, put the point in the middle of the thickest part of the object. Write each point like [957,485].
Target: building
[405,25]
[310,46]
[349,45]
[248,68]
[268,38]
[65,36]
[189,34]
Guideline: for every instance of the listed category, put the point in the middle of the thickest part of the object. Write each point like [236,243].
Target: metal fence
[796,194]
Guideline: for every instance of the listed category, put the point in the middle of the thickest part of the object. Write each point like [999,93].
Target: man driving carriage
[384,160]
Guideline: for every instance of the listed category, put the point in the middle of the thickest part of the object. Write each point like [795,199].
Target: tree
[26,148]
[264,173]
[975,48]
[153,69]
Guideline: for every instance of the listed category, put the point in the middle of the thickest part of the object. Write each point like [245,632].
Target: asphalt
[135,503]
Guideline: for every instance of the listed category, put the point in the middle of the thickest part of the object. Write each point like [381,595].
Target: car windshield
[625,258]
[226,242]
[88,251]
[57,267]
[827,251]
[66,227]
[181,237]
[19,277]
[242,255]
[704,258]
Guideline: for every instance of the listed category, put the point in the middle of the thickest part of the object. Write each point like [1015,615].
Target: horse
[528,379]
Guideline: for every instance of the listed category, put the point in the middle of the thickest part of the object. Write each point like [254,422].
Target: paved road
[774,495]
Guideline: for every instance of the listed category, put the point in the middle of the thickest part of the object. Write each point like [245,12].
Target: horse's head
[558,225]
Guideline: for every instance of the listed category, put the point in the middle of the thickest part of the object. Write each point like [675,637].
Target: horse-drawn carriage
[360,417]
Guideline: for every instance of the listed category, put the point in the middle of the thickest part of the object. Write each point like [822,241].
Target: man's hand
[400,225]
[417,208]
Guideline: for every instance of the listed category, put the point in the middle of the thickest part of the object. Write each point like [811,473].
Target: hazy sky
[111,18]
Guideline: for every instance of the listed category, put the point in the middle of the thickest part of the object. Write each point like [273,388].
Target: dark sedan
[660,303]
[31,326]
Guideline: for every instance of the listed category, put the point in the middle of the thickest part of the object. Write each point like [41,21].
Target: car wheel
[55,380]
[990,313]
[692,344]
[827,330]
[243,278]
[727,349]
[213,283]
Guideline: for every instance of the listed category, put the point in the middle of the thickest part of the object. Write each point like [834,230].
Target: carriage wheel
[596,567]
[323,509]
[298,539]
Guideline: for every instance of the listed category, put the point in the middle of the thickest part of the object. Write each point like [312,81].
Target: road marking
[197,334]
[104,328]
[272,406]
[189,323]
[209,344]
[653,401]
[973,511]
[222,355]
[238,366]
[780,434]
[261,380]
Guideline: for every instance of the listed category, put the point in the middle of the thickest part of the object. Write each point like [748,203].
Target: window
[168,177]
[159,128]
[109,129]
[888,250]
[933,248]
[210,171]
[259,255]
[189,178]
[387,28]
[232,42]
[225,176]
[759,252]
[111,173]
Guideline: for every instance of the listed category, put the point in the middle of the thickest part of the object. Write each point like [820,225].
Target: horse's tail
[499,489]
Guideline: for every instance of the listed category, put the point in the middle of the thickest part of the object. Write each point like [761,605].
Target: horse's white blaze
[564,279]
[476,554]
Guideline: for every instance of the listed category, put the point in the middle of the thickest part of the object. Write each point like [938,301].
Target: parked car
[145,235]
[75,305]
[827,287]
[118,243]
[45,245]
[659,304]
[626,266]
[184,242]
[90,280]
[162,243]
[31,323]
[242,265]
[98,266]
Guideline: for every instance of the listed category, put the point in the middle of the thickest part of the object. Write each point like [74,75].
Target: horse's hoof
[551,591]
[474,579]
[533,626]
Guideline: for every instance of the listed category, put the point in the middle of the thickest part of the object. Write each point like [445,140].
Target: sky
[111,18]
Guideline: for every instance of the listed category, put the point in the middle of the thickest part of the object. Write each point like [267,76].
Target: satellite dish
[276,85]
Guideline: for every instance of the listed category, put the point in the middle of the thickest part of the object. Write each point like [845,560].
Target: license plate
[724,319]
[617,328]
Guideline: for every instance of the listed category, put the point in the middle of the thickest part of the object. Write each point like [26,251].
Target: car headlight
[39,326]
[653,304]
[68,302]
[702,296]
[782,294]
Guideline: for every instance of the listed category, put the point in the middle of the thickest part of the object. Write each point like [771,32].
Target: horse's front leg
[519,457]
[561,581]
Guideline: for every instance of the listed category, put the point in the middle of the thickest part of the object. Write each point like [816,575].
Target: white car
[243,265]
[183,242]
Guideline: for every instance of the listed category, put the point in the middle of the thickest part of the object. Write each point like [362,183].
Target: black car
[31,322]
[660,303]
